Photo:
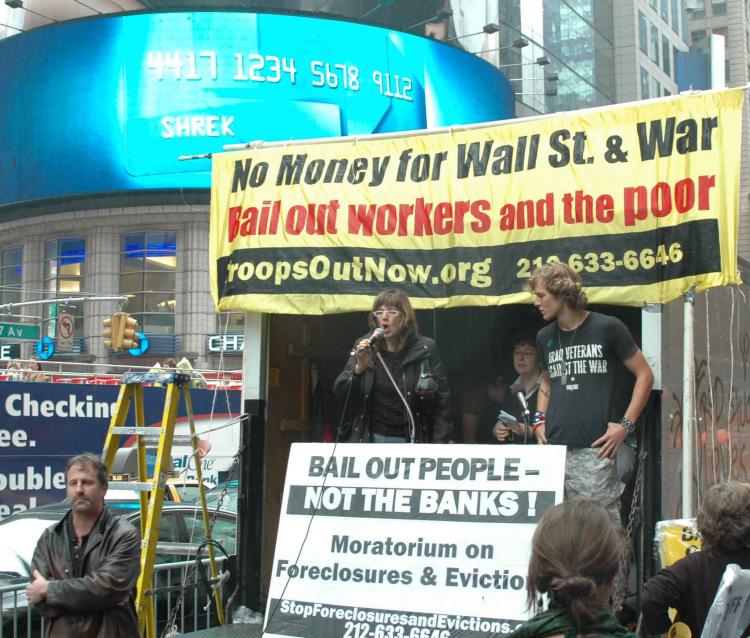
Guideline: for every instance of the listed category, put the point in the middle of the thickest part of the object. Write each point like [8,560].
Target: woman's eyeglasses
[386,313]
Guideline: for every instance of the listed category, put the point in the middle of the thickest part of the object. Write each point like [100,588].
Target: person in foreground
[574,557]
[85,567]
[690,584]
[374,410]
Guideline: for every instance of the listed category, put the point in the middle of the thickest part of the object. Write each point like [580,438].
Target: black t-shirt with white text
[582,365]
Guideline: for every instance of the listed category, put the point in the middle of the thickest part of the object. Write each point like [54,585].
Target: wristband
[540,418]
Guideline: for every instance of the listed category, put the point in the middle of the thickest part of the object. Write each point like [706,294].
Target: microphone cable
[412,424]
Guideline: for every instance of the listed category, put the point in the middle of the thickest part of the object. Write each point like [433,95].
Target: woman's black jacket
[430,414]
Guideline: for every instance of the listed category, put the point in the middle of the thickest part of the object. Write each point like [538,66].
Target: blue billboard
[108,104]
[42,425]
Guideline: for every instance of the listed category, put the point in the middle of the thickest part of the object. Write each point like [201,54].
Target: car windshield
[229,502]
[188,493]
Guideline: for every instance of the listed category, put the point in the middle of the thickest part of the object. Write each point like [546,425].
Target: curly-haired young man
[579,351]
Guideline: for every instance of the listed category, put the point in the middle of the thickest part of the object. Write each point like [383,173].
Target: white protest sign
[408,541]
[729,614]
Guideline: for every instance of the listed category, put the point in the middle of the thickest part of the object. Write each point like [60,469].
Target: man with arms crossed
[579,352]
[85,567]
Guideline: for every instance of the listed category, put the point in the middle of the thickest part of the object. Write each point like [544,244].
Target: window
[642,32]
[657,88]
[148,263]
[170,531]
[655,44]
[665,55]
[10,274]
[699,8]
[676,16]
[224,530]
[64,272]
[653,4]
[684,21]
[644,84]
[698,42]
[665,10]
[719,7]
[230,323]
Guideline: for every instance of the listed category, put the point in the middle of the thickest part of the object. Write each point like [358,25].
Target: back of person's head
[562,281]
[724,518]
[575,553]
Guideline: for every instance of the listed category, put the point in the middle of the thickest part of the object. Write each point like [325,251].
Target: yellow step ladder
[151,490]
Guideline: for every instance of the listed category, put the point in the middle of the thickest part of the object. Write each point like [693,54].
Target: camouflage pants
[586,475]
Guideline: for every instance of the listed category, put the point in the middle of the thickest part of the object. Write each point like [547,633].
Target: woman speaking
[393,388]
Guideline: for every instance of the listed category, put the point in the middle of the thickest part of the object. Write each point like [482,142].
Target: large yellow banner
[642,199]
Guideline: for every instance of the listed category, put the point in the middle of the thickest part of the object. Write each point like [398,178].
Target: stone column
[194,304]
[32,278]
[102,279]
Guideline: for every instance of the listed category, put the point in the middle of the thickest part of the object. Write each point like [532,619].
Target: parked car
[229,502]
[180,535]
[178,490]
[184,490]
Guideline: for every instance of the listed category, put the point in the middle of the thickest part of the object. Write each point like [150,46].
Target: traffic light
[110,330]
[126,331]
[119,331]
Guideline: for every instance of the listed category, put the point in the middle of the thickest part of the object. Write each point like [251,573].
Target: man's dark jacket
[99,602]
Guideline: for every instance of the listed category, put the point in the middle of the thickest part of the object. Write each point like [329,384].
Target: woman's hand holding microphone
[363,353]
[364,350]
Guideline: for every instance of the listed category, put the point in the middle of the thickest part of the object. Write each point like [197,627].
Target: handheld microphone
[521,396]
[376,336]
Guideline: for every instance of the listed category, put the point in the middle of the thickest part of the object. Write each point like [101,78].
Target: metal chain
[621,580]
[170,629]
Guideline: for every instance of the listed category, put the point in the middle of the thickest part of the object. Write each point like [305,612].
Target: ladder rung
[136,431]
[136,486]
[152,434]
[177,439]
[179,378]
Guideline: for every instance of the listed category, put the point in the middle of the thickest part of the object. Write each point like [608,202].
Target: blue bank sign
[43,424]
[110,103]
